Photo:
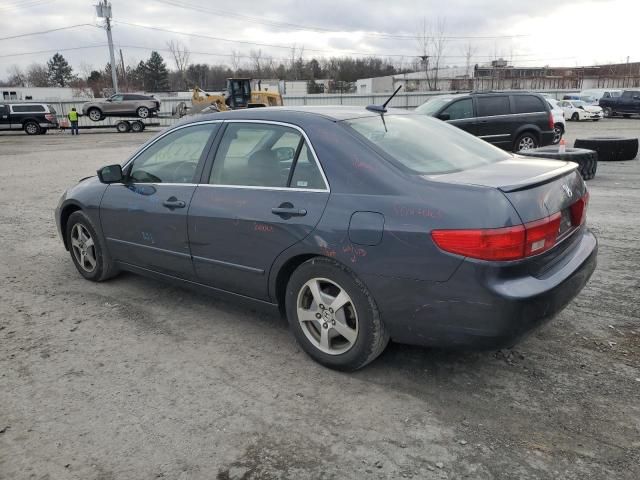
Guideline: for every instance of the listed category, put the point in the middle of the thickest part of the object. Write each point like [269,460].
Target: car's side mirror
[285,153]
[111,174]
[444,116]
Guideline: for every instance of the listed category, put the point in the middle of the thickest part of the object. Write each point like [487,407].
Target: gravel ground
[134,379]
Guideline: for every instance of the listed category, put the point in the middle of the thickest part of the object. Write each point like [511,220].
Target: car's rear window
[426,145]
[51,109]
[528,104]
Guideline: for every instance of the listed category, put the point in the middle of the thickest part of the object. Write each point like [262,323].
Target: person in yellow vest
[73,119]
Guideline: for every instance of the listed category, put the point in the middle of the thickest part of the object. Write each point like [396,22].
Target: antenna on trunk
[382,108]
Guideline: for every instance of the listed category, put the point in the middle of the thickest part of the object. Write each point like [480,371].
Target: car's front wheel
[575,117]
[333,316]
[87,251]
[142,112]
[526,141]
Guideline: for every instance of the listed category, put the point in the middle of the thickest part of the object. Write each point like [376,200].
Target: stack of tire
[610,148]
[587,160]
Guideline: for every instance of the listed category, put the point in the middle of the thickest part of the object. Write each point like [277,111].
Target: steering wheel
[184,176]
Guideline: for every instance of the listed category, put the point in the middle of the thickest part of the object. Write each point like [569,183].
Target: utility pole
[103,10]
[124,72]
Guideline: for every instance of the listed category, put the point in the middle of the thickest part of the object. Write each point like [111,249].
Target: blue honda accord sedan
[360,226]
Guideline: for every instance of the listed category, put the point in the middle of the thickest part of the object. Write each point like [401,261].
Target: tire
[525,141]
[123,127]
[607,112]
[358,318]
[95,114]
[95,264]
[143,112]
[587,160]
[558,131]
[44,131]
[610,148]
[575,117]
[32,128]
[137,126]
[626,115]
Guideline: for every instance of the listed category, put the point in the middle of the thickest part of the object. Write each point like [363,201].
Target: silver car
[121,105]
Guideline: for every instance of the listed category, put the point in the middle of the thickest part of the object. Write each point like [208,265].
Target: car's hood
[593,108]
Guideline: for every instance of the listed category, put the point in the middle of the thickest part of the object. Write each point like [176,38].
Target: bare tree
[235,61]
[256,61]
[424,48]
[38,75]
[181,57]
[17,77]
[439,41]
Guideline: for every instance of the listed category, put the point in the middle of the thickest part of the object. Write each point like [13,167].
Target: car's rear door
[461,114]
[262,192]
[495,123]
[144,219]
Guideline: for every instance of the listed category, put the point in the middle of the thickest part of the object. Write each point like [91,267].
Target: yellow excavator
[237,95]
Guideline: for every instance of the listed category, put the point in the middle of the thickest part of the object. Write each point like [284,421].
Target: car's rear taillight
[579,210]
[50,117]
[551,122]
[510,243]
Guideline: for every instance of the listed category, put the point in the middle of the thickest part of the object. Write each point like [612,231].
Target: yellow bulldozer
[237,95]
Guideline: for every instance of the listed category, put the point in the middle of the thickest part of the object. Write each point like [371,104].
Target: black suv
[33,118]
[513,121]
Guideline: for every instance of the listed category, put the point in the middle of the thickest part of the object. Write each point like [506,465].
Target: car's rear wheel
[558,131]
[626,115]
[526,141]
[575,117]
[142,112]
[95,114]
[333,316]
[87,251]
[32,128]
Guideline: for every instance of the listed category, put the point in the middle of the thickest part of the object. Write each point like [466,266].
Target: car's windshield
[579,103]
[426,145]
[433,105]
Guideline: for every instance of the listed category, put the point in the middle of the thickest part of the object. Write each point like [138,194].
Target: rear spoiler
[540,179]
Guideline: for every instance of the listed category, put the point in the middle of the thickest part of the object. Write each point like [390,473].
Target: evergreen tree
[59,71]
[156,78]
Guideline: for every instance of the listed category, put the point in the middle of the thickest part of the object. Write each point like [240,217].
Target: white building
[449,78]
[43,94]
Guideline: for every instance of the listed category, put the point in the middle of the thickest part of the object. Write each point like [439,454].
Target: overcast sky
[535,32]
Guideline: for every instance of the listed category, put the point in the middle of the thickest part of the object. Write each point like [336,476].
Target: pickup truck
[626,104]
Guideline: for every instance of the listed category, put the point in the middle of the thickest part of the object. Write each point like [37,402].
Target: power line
[52,51]
[274,23]
[288,47]
[24,5]
[48,31]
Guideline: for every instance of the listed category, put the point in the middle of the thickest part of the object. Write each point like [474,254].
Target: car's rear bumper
[546,138]
[482,305]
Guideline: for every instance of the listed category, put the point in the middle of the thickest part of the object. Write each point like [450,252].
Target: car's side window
[528,104]
[117,98]
[174,158]
[261,155]
[493,105]
[460,109]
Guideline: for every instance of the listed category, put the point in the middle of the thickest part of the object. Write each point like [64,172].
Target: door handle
[173,202]
[291,212]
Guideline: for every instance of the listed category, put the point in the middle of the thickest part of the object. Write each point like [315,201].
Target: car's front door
[144,219]
[461,115]
[265,191]
[115,104]
[5,120]
[495,122]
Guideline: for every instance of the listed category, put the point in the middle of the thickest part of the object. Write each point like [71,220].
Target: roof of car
[333,113]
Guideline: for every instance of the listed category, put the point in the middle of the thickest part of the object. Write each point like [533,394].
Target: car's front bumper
[482,305]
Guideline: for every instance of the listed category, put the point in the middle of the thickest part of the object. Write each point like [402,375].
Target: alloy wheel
[83,247]
[327,316]
[526,143]
[95,115]
[557,135]
[143,112]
